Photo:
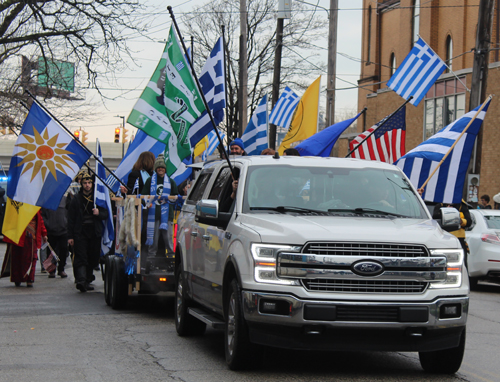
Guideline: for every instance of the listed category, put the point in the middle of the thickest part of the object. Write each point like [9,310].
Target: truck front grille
[366,249]
[364,286]
[368,313]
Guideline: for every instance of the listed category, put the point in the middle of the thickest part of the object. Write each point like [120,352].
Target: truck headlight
[264,257]
[454,264]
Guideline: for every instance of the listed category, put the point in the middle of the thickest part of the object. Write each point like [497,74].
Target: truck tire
[240,352]
[107,279]
[185,324]
[119,284]
[446,361]
[473,282]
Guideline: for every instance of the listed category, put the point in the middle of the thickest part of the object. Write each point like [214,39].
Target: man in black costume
[84,233]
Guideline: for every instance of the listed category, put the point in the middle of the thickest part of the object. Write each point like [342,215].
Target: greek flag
[142,142]
[212,79]
[213,143]
[103,200]
[418,72]
[282,113]
[255,135]
[446,185]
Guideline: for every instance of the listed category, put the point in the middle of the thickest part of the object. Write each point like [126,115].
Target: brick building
[390,28]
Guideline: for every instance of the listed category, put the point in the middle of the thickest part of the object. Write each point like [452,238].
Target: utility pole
[332,59]
[243,91]
[480,75]
[284,12]
[276,78]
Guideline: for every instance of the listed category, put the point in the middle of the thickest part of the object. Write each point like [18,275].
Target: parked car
[483,238]
[319,253]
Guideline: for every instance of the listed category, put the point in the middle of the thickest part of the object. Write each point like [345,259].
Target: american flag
[384,144]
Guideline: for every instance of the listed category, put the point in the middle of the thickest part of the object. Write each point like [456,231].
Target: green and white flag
[169,104]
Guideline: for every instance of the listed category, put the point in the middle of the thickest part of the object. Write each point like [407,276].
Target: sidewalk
[42,281]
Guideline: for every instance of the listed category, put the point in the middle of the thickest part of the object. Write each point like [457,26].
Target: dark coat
[75,216]
[132,177]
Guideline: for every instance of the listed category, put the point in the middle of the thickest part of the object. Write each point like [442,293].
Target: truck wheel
[185,324]
[107,279]
[119,284]
[473,282]
[446,361]
[240,352]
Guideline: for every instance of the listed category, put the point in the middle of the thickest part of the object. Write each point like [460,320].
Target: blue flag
[446,185]
[255,135]
[418,72]
[103,200]
[142,142]
[282,113]
[213,143]
[321,144]
[44,162]
[212,79]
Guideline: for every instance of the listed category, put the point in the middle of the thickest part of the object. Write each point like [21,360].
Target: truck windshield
[331,190]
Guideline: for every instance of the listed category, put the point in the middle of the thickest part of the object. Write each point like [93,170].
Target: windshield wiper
[300,209]
[364,209]
[284,209]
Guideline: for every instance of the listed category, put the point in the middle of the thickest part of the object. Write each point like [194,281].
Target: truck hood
[297,229]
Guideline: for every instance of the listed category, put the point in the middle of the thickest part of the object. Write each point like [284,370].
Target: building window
[444,103]
[368,56]
[393,63]
[416,20]
[449,53]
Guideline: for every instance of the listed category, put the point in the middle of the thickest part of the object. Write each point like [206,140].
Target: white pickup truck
[319,253]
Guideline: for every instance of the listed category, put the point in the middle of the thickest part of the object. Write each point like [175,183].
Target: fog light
[450,311]
[279,307]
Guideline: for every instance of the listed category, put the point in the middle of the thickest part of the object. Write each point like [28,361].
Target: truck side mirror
[450,219]
[207,212]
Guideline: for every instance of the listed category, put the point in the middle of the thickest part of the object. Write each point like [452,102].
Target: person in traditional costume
[160,218]
[20,259]
[85,230]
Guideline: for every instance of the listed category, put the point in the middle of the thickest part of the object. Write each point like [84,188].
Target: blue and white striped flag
[446,185]
[103,200]
[255,135]
[183,171]
[418,72]
[282,113]
[213,143]
[212,79]
[142,142]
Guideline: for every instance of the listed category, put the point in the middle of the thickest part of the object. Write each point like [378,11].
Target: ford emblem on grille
[367,268]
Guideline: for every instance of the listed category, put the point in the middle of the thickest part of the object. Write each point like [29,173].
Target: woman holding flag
[20,259]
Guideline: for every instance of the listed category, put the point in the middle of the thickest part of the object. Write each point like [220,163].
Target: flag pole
[456,141]
[76,140]
[379,126]
[209,112]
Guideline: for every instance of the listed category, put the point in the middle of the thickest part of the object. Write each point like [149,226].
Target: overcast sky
[147,55]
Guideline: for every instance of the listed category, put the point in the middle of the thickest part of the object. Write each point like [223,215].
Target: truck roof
[256,160]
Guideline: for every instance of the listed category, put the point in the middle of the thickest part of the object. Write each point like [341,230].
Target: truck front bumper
[285,321]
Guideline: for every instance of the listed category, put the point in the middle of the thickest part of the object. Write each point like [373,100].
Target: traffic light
[124,135]
[84,137]
[77,135]
[117,135]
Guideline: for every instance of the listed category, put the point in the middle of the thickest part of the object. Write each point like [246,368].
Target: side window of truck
[220,184]
[198,189]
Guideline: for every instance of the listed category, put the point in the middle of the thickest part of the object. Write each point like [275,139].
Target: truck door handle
[194,234]
[206,237]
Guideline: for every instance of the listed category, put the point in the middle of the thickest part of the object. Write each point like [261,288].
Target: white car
[483,238]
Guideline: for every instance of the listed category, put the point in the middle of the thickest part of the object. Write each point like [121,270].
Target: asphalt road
[52,332]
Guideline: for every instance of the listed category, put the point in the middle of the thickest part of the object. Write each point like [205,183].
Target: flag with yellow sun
[44,161]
